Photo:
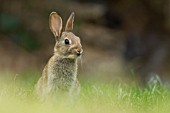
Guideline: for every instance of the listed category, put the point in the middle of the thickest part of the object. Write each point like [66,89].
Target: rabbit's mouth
[79,52]
[74,56]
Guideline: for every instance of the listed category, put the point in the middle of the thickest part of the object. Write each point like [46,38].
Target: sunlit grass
[17,96]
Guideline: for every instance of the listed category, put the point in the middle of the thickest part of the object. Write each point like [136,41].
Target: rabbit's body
[59,76]
[60,73]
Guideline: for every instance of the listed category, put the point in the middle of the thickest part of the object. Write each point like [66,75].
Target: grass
[17,96]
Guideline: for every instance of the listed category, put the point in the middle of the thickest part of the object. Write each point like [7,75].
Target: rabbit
[60,73]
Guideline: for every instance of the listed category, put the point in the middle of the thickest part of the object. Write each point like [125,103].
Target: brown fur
[60,73]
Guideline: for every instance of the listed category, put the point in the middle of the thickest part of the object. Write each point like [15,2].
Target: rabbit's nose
[79,52]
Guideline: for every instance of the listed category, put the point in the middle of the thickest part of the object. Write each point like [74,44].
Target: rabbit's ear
[69,24]
[55,23]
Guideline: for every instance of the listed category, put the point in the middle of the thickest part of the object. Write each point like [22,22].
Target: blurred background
[123,40]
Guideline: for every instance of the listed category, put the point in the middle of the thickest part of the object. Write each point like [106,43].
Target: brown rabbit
[60,73]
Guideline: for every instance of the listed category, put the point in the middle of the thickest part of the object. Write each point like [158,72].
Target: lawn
[17,96]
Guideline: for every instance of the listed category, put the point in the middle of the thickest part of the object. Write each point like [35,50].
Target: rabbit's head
[67,44]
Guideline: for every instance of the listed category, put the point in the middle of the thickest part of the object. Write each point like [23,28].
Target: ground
[17,95]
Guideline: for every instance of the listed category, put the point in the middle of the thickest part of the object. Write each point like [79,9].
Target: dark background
[122,40]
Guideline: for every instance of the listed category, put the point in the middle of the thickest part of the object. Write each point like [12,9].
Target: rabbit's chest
[63,75]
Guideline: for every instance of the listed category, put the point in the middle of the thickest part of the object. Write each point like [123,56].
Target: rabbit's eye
[67,42]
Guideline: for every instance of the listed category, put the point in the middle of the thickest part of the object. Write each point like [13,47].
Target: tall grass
[17,96]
